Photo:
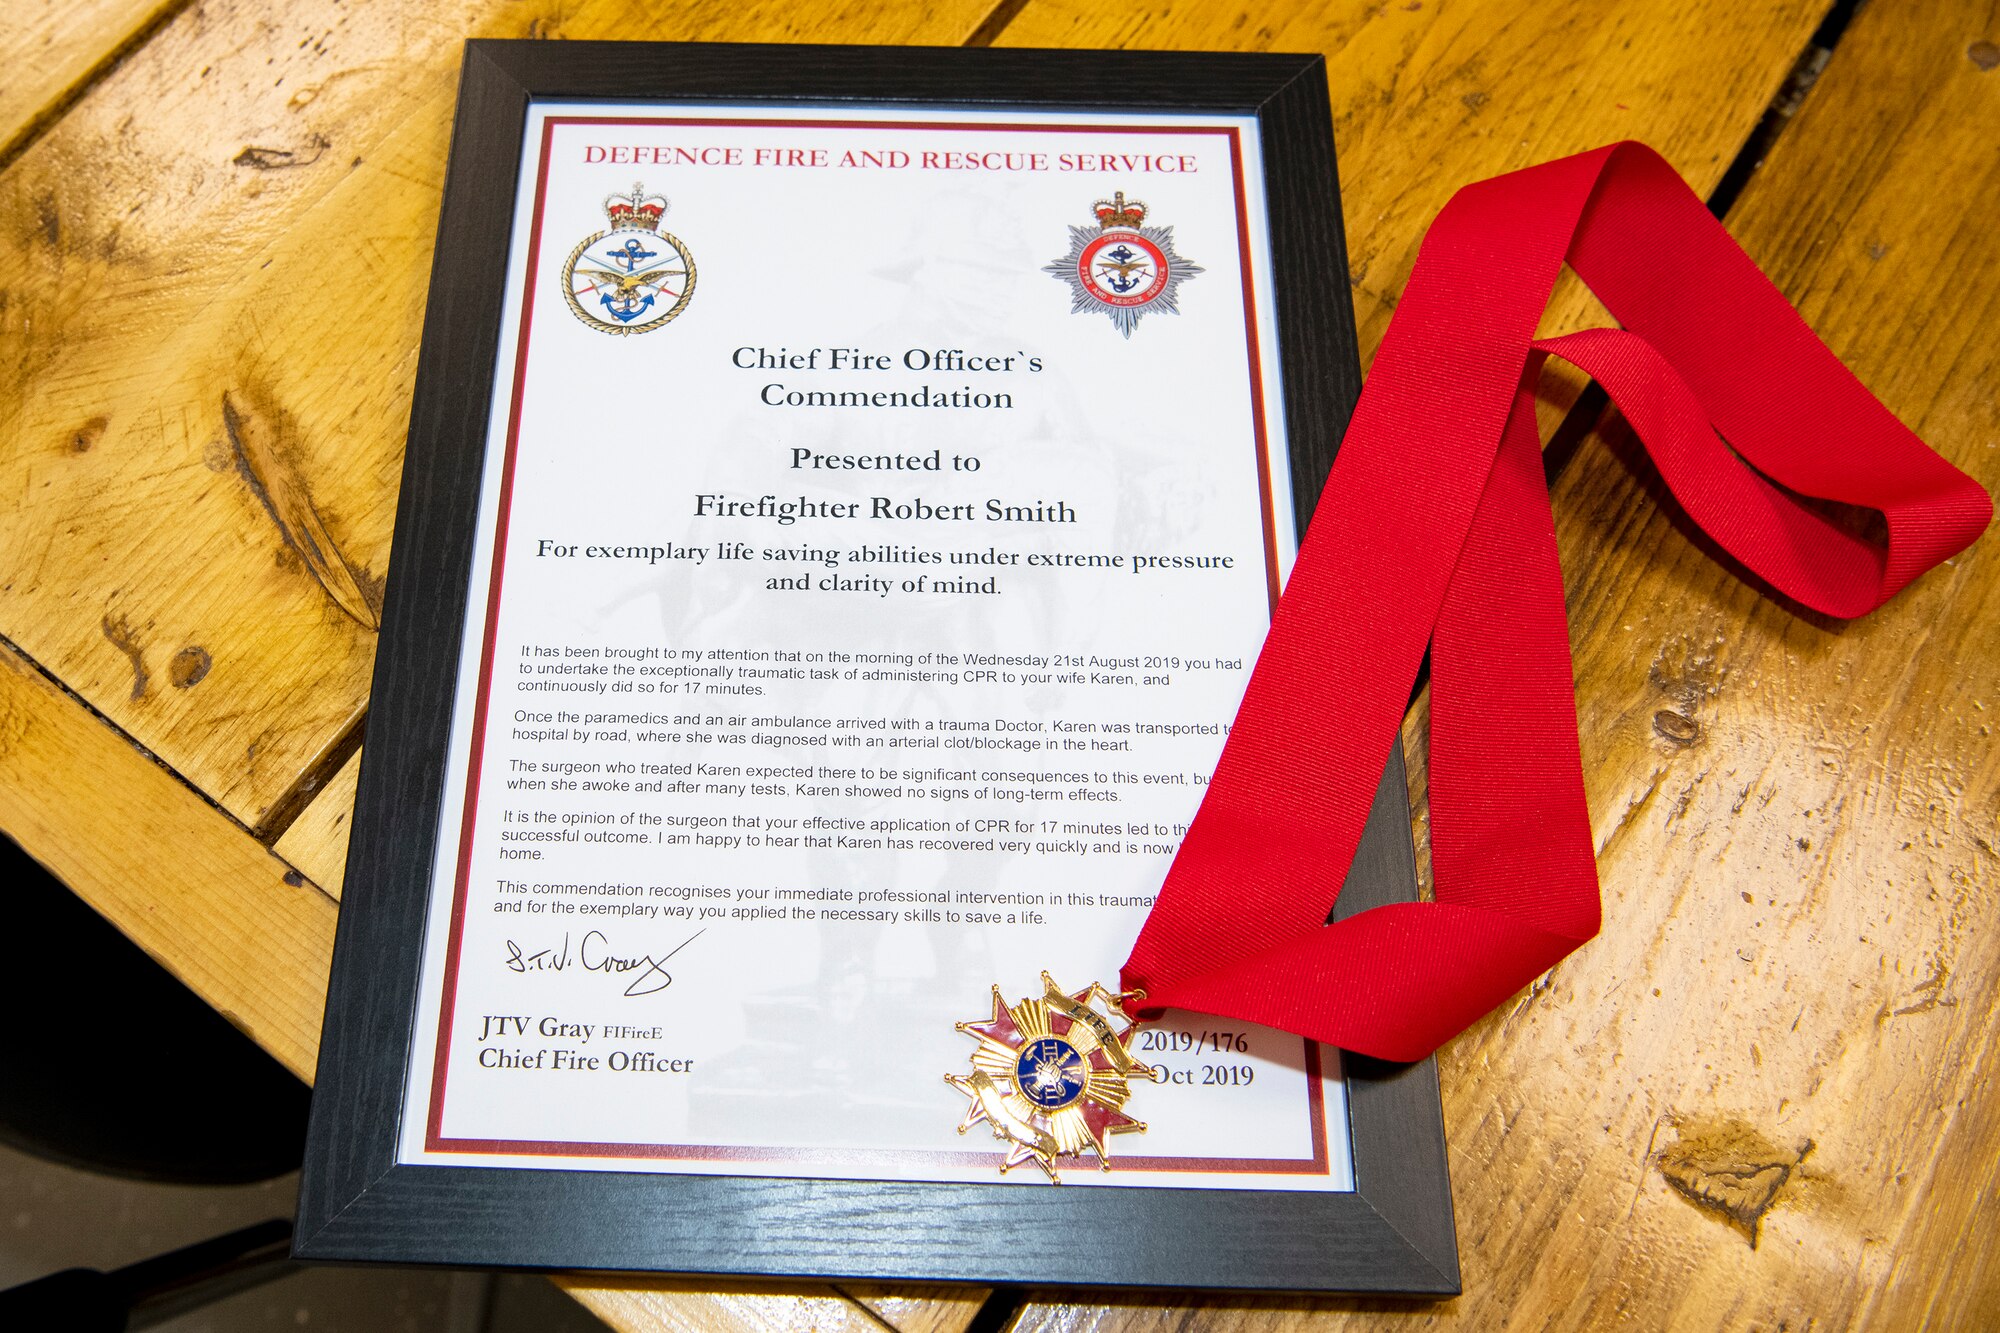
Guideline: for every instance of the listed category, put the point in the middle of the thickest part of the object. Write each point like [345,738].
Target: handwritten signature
[593,954]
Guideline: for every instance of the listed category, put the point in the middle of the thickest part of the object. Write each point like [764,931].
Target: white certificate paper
[881,514]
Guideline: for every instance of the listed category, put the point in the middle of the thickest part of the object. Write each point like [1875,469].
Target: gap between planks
[58,106]
[1593,405]
[56,683]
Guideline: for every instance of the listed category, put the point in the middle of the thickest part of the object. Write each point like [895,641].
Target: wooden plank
[51,47]
[317,840]
[244,930]
[1762,1099]
[681,1307]
[919,1309]
[203,483]
[1844,916]
[684,1307]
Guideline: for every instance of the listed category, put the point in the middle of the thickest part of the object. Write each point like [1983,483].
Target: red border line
[434,1139]
[1256,370]
[994,126]
[883,1157]
[1316,1165]
[476,756]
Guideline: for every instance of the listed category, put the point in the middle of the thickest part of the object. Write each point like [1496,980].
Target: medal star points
[1051,1075]
[1122,268]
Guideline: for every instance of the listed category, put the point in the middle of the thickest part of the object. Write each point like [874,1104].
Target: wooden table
[1761,1099]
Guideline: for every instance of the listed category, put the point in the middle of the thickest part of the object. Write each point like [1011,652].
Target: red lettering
[1127,162]
[712,155]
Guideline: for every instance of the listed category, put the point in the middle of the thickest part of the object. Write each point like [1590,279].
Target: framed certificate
[846,494]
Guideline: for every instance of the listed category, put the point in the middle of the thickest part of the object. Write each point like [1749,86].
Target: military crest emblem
[1051,1076]
[1122,268]
[632,277]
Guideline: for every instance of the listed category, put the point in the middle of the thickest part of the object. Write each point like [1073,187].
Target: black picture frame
[1392,1234]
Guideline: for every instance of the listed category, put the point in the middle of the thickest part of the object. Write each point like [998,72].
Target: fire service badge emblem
[1122,268]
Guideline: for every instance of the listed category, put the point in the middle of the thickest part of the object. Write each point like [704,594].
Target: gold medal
[1051,1075]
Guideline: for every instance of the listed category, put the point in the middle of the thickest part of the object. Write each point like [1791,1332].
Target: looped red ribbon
[1434,529]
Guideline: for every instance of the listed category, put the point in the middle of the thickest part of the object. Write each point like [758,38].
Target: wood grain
[1762,1098]
[49,48]
[317,840]
[1430,96]
[1617,1151]
[919,1309]
[204,484]
[1845,914]
[244,930]
[687,1307]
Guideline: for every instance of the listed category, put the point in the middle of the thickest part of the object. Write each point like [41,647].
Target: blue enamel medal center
[1050,1073]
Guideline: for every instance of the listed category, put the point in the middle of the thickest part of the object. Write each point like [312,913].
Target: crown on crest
[1115,212]
[637,210]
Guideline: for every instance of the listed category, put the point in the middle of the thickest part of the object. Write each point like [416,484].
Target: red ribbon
[1434,529]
